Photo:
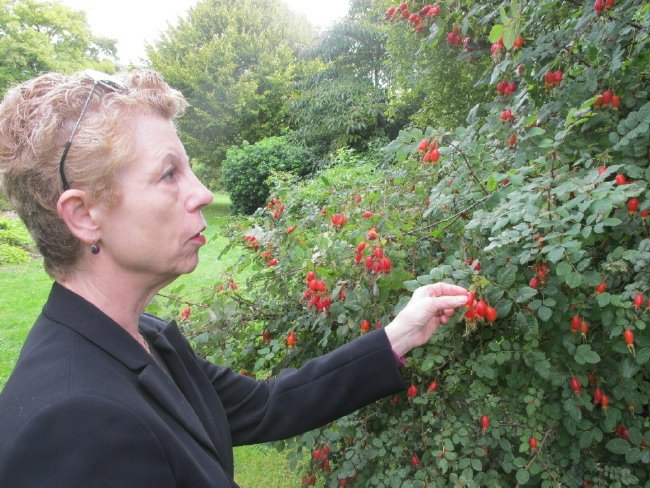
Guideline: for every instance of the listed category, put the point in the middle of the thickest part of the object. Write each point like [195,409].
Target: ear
[79,215]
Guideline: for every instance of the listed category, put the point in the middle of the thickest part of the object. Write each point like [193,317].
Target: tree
[340,98]
[234,63]
[36,37]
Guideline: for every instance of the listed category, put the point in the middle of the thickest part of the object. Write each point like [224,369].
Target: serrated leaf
[643,356]
[617,446]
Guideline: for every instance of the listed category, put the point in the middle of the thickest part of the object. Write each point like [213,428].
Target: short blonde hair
[37,117]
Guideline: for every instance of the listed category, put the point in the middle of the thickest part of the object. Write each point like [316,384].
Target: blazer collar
[71,310]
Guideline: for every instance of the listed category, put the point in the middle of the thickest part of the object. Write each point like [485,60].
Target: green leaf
[496,33]
[544,313]
[525,293]
[573,279]
[642,356]
[563,268]
[522,476]
[617,446]
[584,354]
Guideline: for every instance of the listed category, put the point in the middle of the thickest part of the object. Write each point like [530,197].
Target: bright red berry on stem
[632,206]
[534,282]
[575,323]
[310,276]
[602,169]
[372,234]
[433,386]
[575,385]
[412,391]
[423,145]
[485,423]
[185,315]
[490,314]
[604,402]
[638,300]
[601,288]
[367,214]
[273,262]
[532,442]
[620,179]
[415,461]
[291,339]
[481,308]
[628,337]
[365,326]
[598,395]
[471,296]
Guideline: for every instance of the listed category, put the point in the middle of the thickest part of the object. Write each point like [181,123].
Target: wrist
[399,339]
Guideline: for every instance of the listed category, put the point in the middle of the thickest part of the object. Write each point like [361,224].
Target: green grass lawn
[24,290]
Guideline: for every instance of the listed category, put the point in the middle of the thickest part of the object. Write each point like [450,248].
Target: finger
[443,289]
[447,302]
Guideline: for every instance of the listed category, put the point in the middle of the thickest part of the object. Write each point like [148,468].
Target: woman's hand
[430,306]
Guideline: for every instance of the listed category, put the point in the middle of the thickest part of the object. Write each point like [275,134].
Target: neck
[123,297]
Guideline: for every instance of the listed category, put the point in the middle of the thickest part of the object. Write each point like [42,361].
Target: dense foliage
[246,169]
[538,205]
[36,37]
[233,61]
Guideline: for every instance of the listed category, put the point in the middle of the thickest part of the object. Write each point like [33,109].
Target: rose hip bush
[539,205]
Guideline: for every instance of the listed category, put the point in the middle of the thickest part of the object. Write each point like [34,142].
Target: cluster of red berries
[454,38]
[600,5]
[507,115]
[479,310]
[578,324]
[506,87]
[430,150]
[339,220]
[252,241]
[377,262]
[607,99]
[552,78]
[316,293]
[601,399]
[231,284]
[275,207]
[321,458]
[540,276]
[418,19]
[268,256]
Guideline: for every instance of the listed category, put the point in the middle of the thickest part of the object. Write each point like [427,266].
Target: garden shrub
[247,167]
[539,206]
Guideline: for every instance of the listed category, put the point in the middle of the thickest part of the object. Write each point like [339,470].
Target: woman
[103,394]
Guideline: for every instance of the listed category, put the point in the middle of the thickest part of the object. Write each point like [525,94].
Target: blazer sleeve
[87,438]
[299,400]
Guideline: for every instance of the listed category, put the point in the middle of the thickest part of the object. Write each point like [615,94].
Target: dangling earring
[94,248]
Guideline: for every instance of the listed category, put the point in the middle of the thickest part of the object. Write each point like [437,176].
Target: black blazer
[86,406]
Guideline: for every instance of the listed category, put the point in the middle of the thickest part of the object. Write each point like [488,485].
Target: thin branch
[471,171]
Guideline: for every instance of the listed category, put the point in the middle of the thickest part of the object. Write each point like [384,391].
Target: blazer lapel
[71,310]
[157,384]
[172,347]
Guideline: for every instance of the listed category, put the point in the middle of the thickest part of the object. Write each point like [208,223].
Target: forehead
[156,138]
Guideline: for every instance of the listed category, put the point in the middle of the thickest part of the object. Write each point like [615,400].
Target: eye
[170,175]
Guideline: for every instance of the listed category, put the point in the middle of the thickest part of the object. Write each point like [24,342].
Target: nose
[200,195]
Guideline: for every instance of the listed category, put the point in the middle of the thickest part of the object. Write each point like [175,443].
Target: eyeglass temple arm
[68,143]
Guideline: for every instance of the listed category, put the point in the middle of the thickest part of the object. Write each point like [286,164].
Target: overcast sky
[134,22]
